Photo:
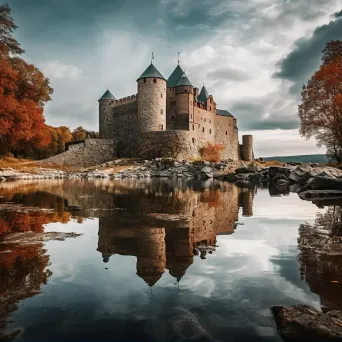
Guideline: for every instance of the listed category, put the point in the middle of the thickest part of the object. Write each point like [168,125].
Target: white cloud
[58,70]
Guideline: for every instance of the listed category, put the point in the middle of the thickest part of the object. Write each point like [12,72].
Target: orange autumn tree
[23,93]
[320,112]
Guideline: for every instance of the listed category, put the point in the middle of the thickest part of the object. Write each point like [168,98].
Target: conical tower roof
[107,96]
[203,95]
[184,81]
[174,77]
[150,279]
[151,72]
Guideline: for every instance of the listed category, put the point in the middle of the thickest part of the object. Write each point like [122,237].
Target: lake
[158,260]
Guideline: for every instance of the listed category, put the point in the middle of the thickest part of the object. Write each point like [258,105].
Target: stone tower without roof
[151,100]
[106,119]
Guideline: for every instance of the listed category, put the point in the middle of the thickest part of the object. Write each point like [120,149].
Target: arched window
[203,129]
[144,80]
[154,80]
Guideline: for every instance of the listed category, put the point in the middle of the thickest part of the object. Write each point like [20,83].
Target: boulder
[306,324]
[322,183]
[275,170]
[206,169]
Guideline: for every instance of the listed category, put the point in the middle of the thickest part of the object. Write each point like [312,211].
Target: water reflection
[169,228]
[320,257]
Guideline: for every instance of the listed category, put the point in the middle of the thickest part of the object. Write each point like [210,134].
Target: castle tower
[151,100]
[184,97]
[151,257]
[106,120]
[247,148]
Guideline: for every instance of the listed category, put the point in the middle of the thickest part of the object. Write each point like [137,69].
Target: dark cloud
[338,14]
[228,74]
[299,65]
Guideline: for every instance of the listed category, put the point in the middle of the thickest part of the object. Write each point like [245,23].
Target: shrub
[211,152]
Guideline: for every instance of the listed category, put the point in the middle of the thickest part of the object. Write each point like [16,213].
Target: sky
[253,56]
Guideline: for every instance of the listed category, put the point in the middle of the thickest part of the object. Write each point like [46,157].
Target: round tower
[184,98]
[151,100]
[247,148]
[106,119]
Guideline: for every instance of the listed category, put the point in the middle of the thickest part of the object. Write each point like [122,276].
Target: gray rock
[206,169]
[306,324]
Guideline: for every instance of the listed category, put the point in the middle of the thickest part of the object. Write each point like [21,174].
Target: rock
[242,170]
[322,183]
[306,324]
[317,195]
[206,169]
[209,175]
[275,170]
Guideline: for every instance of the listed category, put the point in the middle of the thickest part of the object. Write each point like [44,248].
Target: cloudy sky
[252,55]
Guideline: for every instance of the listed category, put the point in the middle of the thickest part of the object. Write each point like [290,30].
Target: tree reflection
[320,257]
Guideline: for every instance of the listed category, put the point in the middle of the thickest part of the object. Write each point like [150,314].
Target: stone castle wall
[90,153]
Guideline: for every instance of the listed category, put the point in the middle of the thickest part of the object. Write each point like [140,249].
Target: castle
[169,118]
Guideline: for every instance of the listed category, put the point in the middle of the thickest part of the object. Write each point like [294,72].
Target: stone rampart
[90,153]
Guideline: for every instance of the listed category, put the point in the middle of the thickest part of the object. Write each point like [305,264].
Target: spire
[107,96]
[151,72]
[184,81]
[203,95]
[174,77]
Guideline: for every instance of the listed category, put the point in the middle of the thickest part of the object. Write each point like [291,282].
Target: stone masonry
[169,118]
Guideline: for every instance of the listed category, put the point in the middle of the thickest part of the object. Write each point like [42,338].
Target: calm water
[142,269]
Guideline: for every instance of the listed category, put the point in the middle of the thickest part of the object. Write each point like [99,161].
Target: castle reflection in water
[166,229]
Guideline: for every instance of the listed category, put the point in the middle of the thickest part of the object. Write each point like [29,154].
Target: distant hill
[310,158]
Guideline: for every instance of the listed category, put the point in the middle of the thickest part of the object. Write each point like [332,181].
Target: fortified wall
[91,152]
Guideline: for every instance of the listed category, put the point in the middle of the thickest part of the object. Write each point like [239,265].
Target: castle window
[161,127]
[193,127]
[191,116]
[211,100]
[210,108]
[161,95]
[172,118]
[226,133]
[154,80]
[203,129]
[107,119]
[161,112]
[144,80]
[193,140]
[186,90]
[210,131]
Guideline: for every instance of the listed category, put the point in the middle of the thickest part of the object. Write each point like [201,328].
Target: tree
[79,134]
[320,112]
[7,26]
[23,93]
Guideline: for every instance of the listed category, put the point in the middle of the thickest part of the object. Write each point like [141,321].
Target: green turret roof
[174,77]
[203,95]
[184,81]
[151,72]
[107,96]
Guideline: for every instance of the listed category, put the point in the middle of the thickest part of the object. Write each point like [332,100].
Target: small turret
[184,85]
[105,115]
[151,100]
[203,96]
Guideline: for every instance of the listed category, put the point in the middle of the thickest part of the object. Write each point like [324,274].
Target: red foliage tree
[320,112]
[23,92]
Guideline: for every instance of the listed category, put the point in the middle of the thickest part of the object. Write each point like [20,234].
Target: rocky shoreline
[311,181]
